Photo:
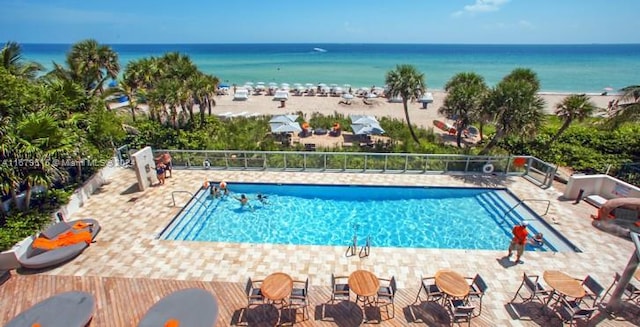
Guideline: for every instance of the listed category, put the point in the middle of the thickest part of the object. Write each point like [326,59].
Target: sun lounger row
[192,307]
[229,114]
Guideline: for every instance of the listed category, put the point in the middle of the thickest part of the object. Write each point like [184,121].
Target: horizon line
[321,43]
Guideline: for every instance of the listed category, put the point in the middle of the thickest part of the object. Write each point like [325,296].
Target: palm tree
[466,93]
[517,109]
[11,56]
[92,64]
[408,83]
[629,109]
[39,140]
[574,107]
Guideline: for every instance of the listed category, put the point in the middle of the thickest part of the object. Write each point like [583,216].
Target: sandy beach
[380,107]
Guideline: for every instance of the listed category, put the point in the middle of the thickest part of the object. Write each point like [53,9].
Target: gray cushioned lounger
[60,255]
[69,309]
[192,307]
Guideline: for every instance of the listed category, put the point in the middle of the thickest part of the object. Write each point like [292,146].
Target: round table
[64,310]
[277,286]
[564,284]
[364,283]
[452,283]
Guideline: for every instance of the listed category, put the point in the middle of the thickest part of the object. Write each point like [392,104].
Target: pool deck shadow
[128,247]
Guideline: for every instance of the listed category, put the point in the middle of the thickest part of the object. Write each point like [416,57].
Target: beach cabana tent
[367,129]
[363,119]
[283,119]
[287,127]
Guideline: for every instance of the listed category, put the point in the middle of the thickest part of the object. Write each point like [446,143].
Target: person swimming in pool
[244,201]
[214,191]
[262,198]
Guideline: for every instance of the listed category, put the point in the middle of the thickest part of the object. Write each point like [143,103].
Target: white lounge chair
[241,95]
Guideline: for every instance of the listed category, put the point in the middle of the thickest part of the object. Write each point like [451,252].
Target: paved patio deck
[127,247]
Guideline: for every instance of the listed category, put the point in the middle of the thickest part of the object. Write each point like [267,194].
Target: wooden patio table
[564,284]
[277,286]
[452,283]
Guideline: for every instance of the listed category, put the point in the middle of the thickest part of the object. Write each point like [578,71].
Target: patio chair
[299,299]
[431,290]
[572,310]
[535,289]
[477,288]
[460,311]
[593,289]
[386,295]
[339,288]
[631,292]
[253,292]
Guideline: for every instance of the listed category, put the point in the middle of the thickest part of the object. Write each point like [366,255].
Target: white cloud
[481,6]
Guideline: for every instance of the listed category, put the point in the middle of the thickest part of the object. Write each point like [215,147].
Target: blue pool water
[413,217]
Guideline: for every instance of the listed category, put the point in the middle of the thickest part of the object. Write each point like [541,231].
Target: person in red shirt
[519,240]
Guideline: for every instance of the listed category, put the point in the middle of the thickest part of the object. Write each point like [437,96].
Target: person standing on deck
[519,240]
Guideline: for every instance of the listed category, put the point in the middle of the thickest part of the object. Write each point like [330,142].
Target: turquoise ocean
[561,68]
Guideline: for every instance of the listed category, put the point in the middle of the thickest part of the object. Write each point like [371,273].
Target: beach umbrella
[308,85]
[248,83]
[367,129]
[283,85]
[273,84]
[286,127]
[346,86]
[223,85]
[364,119]
[347,96]
[283,118]
[322,85]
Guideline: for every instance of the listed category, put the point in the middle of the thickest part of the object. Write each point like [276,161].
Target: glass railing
[537,171]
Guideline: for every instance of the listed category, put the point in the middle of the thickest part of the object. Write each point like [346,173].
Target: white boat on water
[319,50]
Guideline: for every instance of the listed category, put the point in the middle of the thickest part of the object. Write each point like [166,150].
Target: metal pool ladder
[192,196]
[364,250]
[531,200]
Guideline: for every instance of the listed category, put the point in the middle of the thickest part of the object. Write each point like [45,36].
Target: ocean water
[561,68]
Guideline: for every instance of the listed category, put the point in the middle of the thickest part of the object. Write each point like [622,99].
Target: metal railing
[530,200]
[534,169]
[173,197]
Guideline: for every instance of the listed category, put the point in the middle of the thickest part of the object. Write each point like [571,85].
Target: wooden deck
[123,301]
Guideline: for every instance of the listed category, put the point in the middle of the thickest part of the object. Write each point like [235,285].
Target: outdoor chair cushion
[56,229]
[595,200]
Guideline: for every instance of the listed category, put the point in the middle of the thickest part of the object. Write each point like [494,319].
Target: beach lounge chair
[193,307]
[69,309]
[241,95]
[37,258]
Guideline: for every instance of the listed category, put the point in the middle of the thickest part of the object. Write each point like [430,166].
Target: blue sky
[325,21]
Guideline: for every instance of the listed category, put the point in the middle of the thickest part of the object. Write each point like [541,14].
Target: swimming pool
[391,216]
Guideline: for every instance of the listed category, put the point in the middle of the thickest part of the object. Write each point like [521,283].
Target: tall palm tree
[574,107]
[408,83]
[517,109]
[629,109]
[12,61]
[92,64]
[466,93]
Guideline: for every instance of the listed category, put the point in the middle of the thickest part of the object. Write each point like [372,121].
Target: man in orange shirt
[519,240]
